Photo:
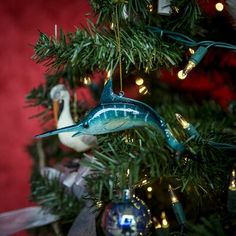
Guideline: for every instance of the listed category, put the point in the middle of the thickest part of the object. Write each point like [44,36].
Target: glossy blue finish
[116,113]
[131,217]
[113,117]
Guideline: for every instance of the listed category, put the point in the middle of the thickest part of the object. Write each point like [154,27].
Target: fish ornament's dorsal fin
[108,96]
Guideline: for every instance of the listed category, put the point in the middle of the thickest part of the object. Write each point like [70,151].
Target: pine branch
[127,10]
[185,15]
[208,227]
[188,16]
[147,149]
[137,157]
[54,197]
[87,51]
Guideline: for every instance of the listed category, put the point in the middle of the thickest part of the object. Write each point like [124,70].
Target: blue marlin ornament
[116,113]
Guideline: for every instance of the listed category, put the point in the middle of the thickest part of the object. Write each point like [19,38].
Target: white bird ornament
[80,143]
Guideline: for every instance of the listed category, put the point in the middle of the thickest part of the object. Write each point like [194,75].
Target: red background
[19,25]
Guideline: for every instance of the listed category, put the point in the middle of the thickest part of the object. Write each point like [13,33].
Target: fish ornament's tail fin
[71,128]
[108,96]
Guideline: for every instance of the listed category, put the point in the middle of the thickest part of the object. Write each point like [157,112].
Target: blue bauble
[128,218]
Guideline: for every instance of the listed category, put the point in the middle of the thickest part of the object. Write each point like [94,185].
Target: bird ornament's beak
[55,107]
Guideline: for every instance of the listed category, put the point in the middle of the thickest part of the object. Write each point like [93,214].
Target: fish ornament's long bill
[116,113]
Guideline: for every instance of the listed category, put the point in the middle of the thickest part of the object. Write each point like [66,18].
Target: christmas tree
[149,149]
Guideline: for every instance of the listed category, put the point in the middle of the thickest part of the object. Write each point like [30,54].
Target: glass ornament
[130,217]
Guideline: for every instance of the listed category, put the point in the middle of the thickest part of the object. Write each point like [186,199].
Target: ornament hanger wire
[117,36]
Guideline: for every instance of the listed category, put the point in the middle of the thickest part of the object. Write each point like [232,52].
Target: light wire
[190,42]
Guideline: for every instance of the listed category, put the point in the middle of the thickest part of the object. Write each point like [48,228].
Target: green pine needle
[55,197]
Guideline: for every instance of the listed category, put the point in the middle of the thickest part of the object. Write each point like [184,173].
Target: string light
[112,26]
[99,204]
[164,221]
[150,8]
[161,228]
[182,121]
[182,74]
[139,81]
[128,139]
[86,80]
[149,189]
[144,181]
[198,55]
[232,185]
[191,51]
[176,9]
[173,197]
[231,200]
[188,127]
[158,225]
[219,6]
[143,90]
[193,61]
[177,207]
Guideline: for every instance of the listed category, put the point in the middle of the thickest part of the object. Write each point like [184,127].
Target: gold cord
[117,35]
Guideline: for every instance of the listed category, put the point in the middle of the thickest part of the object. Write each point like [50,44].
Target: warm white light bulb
[150,7]
[191,51]
[112,26]
[173,197]
[143,90]
[144,181]
[156,223]
[164,222]
[182,121]
[158,226]
[181,75]
[139,81]
[87,80]
[149,189]
[219,6]
[232,185]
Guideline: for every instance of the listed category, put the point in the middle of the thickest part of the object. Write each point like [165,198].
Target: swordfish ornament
[116,113]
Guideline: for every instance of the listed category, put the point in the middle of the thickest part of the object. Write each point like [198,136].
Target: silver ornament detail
[130,217]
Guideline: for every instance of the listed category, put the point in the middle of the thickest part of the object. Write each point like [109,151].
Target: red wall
[19,25]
